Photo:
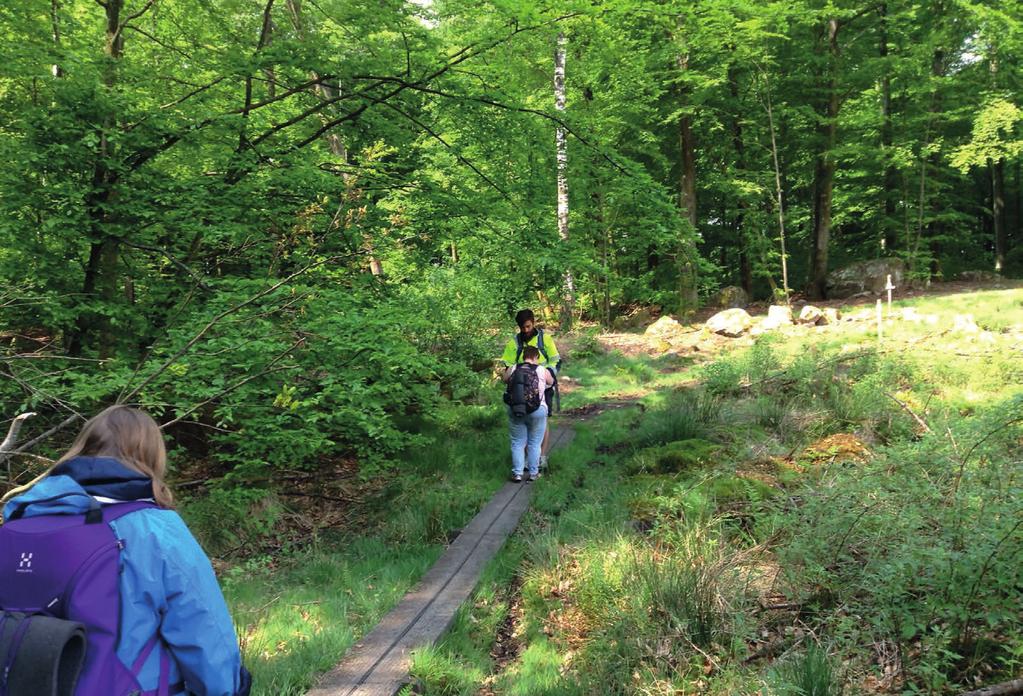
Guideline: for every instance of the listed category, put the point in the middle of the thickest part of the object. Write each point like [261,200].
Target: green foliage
[995,136]
[685,416]
[587,345]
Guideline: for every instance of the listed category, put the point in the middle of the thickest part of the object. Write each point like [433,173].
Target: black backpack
[552,394]
[523,393]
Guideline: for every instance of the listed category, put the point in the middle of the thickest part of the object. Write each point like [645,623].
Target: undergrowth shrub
[689,583]
[587,345]
[732,374]
[686,416]
[681,595]
[635,372]
[808,674]
[926,542]
[229,519]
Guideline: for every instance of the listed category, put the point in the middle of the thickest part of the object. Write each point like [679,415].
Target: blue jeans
[526,436]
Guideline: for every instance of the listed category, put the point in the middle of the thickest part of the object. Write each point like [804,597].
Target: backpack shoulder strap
[539,345]
[115,511]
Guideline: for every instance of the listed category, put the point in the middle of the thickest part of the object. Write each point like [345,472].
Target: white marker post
[880,330]
[889,287]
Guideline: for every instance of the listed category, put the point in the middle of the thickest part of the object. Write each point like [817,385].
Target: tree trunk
[337,147]
[778,191]
[688,290]
[745,263]
[55,69]
[824,172]
[937,70]
[998,212]
[890,193]
[561,142]
[101,269]
[997,184]
[1017,218]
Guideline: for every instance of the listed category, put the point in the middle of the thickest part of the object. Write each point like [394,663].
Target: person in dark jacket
[167,586]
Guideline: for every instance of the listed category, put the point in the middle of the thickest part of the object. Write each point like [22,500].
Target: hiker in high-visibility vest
[531,335]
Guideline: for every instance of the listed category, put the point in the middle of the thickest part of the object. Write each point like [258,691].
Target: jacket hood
[71,487]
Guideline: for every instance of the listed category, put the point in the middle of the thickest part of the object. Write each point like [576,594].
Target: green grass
[296,621]
[630,576]
[297,614]
[641,583]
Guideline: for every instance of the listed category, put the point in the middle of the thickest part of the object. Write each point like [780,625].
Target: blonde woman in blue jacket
[168,590]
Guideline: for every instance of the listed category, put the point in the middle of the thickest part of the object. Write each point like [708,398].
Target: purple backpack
[66,567]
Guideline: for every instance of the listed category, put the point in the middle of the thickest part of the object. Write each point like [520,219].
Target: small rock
[810,315]
[731,322]
[861,315]
[910,314]
[829,315]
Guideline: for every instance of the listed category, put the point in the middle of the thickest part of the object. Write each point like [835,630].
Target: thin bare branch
[1010,688]
[216,320]
[160,42]
[52,431]
[240,383]
[448,145]
[170,257]
[919,421]
[135,15]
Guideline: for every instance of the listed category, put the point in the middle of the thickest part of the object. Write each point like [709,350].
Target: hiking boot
[516,478]
[534,477]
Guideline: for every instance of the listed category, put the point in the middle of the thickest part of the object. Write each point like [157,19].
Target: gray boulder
[665,328]
[777,317]
[865,276]
[731,297]
[810,315]
[636,320]
[731,322]
[979,277]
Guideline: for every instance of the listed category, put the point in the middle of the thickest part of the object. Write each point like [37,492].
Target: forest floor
[812,511]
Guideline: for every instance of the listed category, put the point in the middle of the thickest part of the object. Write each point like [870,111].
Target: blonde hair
[132,437]
[127,434]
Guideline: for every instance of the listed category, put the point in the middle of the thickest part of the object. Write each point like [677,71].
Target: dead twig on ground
[1010,688]
[905,407]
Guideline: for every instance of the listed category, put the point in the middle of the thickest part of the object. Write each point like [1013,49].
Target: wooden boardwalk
[378,664]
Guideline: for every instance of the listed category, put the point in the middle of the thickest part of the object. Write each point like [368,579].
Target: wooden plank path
[378,664]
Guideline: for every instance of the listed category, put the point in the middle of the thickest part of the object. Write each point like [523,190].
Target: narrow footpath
[378,665]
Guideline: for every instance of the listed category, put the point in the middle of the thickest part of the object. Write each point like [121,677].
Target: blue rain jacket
[167,584]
